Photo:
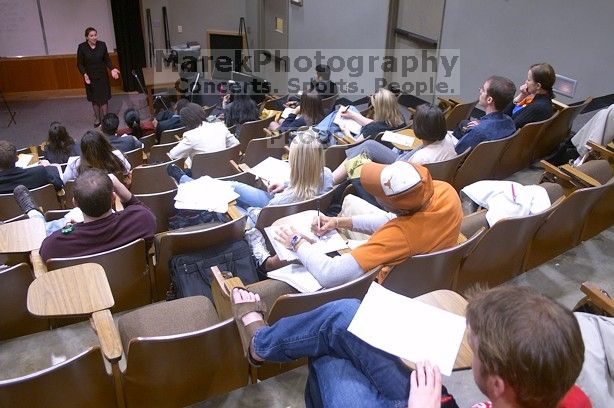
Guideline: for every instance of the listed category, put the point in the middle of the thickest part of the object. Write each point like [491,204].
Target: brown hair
[97,153]
[92,191]
[311,108]
[429,123]
[501,90]
[89,30]
[192,116]
[530,341]
[8,155]
[544,74]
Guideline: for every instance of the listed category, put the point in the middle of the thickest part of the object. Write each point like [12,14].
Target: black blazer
[538,110]
[94,62]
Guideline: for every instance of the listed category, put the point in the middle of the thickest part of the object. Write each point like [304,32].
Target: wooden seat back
[421,274]
[15,320]
[170,363]
[45,196]
[215,164]
[172,135]
[519,152]
[558,130]
[446,170]
[481,162]
[153,178]
[162,205]
[77,382]
[172,243]
[127,271]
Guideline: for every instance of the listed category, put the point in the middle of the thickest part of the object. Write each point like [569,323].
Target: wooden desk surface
[408,132]
[22,236]
[76,290]
[454,303]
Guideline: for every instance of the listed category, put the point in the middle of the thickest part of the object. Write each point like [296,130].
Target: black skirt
[99,90]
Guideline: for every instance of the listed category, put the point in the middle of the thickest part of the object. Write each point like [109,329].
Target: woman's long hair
[97,153]
[59,141]
[311,108]
[243,108]
[306,164]
[386,108]
[133,121]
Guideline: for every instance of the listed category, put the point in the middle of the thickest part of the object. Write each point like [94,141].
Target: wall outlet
[180,29]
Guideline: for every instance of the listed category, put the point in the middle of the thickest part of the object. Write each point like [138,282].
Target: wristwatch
[295,240]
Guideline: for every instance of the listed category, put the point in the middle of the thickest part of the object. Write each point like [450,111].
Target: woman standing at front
[93,61]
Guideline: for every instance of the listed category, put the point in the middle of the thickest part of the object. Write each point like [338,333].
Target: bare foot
[243,296]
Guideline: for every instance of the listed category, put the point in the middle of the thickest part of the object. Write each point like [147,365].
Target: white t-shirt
[435,152]
[207,138]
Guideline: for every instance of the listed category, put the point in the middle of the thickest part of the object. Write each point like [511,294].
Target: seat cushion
[167,318]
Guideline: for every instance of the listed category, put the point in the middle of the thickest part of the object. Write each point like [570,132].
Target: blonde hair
[306,164]
[386,108]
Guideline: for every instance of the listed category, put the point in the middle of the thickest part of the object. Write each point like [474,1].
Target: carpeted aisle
[33,117]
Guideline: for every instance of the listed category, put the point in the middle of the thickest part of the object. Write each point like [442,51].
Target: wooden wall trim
[45,73]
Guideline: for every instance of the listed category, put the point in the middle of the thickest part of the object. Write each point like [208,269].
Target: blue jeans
[376,151]
[344,370]
[251,196]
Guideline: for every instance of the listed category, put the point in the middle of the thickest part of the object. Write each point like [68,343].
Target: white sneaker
[258,245]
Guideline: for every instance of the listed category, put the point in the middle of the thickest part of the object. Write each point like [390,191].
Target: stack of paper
[296,276]
[350,124]
[287,112]
[397,138]
[302,221]
[272,170]
[24,160]
[205,193]
[408,328]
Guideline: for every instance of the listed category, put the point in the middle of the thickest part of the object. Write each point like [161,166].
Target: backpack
[191,273]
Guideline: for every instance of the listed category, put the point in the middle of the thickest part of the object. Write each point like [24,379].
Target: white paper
[353,126]
[408,328]
[272,169]
[287,112]
[302,221]
[297,276]
[397,138]
[23,160]
[205,193]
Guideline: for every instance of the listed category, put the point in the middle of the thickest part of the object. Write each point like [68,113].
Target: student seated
[135,126]
[527,352]
[429,126]
[322,84]
[60,146]
[32,177]
[168,119]
[125,143]
[495,95]
[534,101]
[386,116]
[239,107]
[423,216]
[97,153]
[200,136]
[308,113]
[102,229]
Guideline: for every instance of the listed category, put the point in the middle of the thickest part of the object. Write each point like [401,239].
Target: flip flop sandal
[246,332]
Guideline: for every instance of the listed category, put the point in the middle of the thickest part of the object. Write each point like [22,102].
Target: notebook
[297,276]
